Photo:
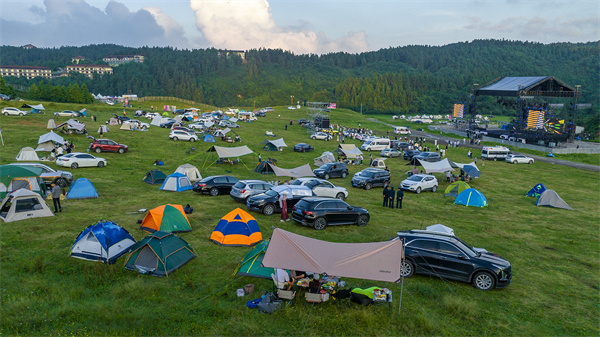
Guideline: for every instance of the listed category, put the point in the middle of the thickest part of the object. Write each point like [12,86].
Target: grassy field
[555,253]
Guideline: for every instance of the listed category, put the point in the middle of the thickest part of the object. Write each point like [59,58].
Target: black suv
[429,156]
[444,255]
[402,146]
[268,202]
[319,212]
[215,185]
[331,170]
[408,154]
[371,177]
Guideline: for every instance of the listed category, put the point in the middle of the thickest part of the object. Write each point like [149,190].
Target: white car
[14,112]
[110,102]
[183,135]
[518,159]
[196,126]
[323,188]
[139,124]
[420,182]
[320,136]
[67,113]
[79,159]
[228,124]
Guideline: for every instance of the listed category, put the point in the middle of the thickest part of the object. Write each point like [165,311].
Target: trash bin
[249,288]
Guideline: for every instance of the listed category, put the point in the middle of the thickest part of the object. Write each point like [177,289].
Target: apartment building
[116,60]
[28,72]
[89,69]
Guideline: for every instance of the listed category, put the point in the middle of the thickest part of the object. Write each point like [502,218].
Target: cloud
[75,23]
[248,24]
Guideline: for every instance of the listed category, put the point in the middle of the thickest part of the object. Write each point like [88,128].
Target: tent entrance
[147,261]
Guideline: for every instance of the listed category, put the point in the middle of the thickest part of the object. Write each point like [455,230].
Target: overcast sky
[301,26]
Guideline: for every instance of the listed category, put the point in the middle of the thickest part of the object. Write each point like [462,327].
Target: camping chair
[281,293]
[342,296]
[316,297]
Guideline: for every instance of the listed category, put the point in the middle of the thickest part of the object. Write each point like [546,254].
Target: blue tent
[209,139]
[176,182]
[536,190]
[471,170]
[103,241]
[471,197]
[82,188]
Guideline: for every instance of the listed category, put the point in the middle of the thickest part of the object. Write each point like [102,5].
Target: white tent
[23,204]
[326,157]
[233,119]
[27,154]
[189,171]
[156,121]
[103,128]
[51,124]
[113,121]
[350,150]
[208,124]
[438,166]
[73,124]
[51,136]
[127,126]
[297,172]
[440,229]
[459,165]
[47,146]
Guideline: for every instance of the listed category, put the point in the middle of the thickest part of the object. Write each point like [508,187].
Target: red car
[107,145]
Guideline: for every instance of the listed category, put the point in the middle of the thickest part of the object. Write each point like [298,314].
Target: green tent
[155,176]
[251,263]
[264,168]
[28,177]
[454,189]
[159,254]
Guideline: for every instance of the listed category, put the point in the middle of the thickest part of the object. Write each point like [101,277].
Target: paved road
[442,140]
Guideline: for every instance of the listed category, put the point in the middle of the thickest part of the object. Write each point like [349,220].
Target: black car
[121,118]
[371,177]
[215,185]
[303,121]
[303,147]
[429,156]
[331,170]
[168,124]
[268,202]
[319,212]
[408,154]
[444,255]
[261,114]
[402,146]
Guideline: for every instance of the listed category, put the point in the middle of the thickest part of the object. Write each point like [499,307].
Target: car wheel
[344,174]
[484,281]
[175,138]
[368,186]
[530,162]
[6,114]
[61,182]
[514,161]
[407,269]
[320,223]
[301,150]
[326,176]
[121,150]
[433,189]
[418,190]
[214,192]
[340,196]
[20,114]
[192,140]
[98,150]
[269,209]
[100,164]
[362,220]
[74,165]
[495,159]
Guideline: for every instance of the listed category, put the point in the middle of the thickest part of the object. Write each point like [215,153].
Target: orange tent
[237,228]
[166,218]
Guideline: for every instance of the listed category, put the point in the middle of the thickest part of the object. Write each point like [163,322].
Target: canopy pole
[1,137]
[401,286]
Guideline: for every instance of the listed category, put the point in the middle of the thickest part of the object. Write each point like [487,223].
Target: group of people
[389,194]
[314,285]
[61,149]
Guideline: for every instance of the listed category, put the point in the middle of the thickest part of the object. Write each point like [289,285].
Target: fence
[175,99]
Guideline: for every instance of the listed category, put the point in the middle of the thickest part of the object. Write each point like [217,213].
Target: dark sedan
[303,147]
[268,203]
[168,124]
[215,185]
[319,212]
[408,154]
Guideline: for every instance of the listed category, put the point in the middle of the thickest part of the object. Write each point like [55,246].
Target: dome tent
[176,182]
[237,228]
[166,218]
[23,204]
[155,176]
[189,171]
[82,188]
[551,199]
[103,241]
[159,254]
[471,197]
[27,154]
[454,189]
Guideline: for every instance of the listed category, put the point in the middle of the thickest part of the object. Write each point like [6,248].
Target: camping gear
[159,254]
[155,176]
[51,136]
[362,296]
[536,190]
[249,288]
[326,157]
[471,197]
[15,177]
[551,199]
[23,204]
[454,189]
[188,209]
[263,167]
[237,228]
[435,167]
[82,188]
[273,145]
[166,218]
[103,129]
[104,241]
[51,124]
[269,303]
[176,182]
[440,229]
[251,264]
[27,154]
[189,171]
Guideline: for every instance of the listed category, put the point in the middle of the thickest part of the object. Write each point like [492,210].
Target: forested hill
[399,80]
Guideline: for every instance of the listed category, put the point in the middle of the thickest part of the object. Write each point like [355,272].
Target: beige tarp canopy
[298,172]
[229,152]
[459,165]
[379,261]
[350,150]
[438,166]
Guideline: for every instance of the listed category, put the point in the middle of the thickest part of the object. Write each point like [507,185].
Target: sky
[299,26]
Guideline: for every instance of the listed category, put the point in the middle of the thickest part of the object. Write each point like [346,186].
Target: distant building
[115,60]
[89,69]
[77,59]
[28,46]
[228,53]
[28,72]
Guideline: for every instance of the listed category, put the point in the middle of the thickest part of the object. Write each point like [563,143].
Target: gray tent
[298,172]
[551,199]
[51,136]
[326,157]
[23,204]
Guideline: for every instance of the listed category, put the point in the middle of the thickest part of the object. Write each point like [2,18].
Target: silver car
[246,188]
[518,159]
[323,188]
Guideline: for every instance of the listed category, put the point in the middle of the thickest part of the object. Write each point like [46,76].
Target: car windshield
[326,166]
[367,142]
[239,184]
[272,193]
[366,173]
[466,248]
[415,178]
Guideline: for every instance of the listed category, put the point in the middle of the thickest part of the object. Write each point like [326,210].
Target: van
[401,130]
[376,144]
[494,152]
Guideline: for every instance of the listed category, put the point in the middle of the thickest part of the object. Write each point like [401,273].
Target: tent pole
[1,137]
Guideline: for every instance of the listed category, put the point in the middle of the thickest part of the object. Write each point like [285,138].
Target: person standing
[391,195]
[475,159]
[56,191]
[399,197]
[259,158]
[284,210]
[370,160]
[385,196]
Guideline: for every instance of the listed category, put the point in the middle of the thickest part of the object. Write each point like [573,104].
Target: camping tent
[237,228]
[536,190]
[15,177]
[454,189]
[23,204]
[103,128]
[471,197]
[440,229]
[263,166]
[471,170]
[27,154]
[251,264]
[156,121]
[273,145]
[47,146]
[51,136]
[166,218]
[127,126]
[297,172]
[350,150]
[155,176]
[51,124]
[221,133]
[113,121]
[103,241]
[208,138]
[378,261]
[326,157]
[437,166]
[459,165]
[82,188]
[551,199]
[159,254]
[176,182]
[189,171]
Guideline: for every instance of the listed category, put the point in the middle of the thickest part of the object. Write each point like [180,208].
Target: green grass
[554,252]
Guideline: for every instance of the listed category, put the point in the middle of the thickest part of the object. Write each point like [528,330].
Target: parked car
[371,177]
[78,159]
[247,188]
[268,203]
[429,156]
[67,113]
[518,159]
[183,135]
[50,175]
[14,111]
[197,126]
[401,146]
[322,188]
[420,182]
[168,125]
[260,114]
[320,136]
[121,118]
[107,145]
[303,121]
[215,185]
[320,212]
[228,124]
[303,147]
[444,255]
[408,154]
[331,170]
[390,153]
[183,128]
